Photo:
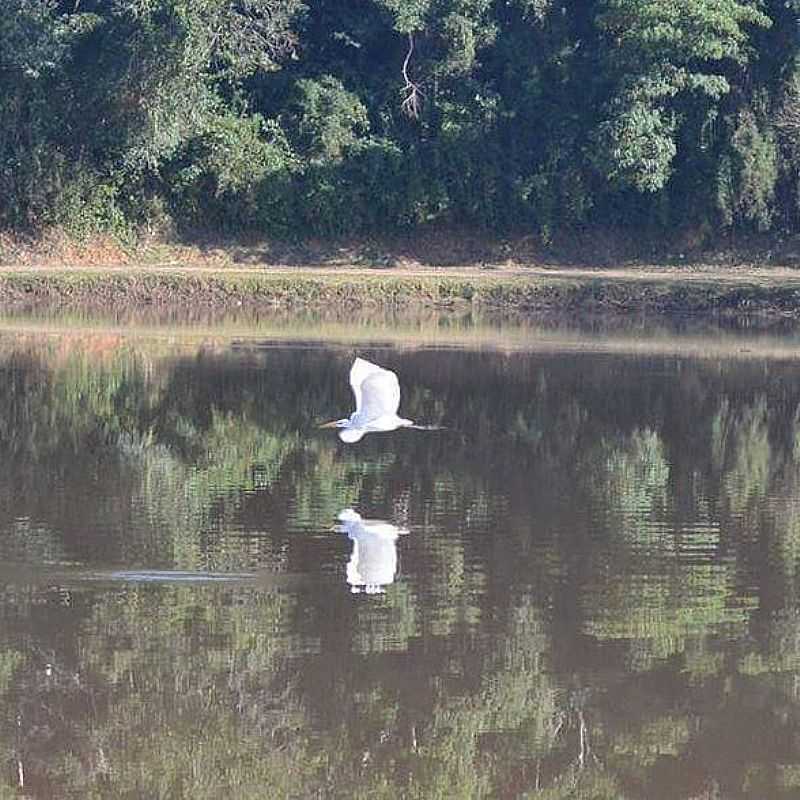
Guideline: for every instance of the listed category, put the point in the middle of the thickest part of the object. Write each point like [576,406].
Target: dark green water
[587,586]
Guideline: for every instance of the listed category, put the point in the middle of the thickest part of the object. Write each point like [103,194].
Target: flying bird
[377,393]
[373,562]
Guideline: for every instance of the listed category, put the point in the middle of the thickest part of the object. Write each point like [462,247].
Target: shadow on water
[598,596]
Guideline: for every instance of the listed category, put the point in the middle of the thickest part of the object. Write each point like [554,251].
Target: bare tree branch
[412,103]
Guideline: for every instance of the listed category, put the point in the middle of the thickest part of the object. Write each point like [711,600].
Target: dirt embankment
[766,291]
[510,275]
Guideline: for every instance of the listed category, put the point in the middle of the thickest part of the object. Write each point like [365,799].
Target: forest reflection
[597,596]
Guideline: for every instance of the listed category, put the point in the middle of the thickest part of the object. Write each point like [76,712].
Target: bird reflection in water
[373,562]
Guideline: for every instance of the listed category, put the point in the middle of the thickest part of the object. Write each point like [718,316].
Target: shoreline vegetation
[530,156]
[287,119]
[439,269]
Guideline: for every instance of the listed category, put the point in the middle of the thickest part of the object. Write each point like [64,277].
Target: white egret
[377,393]
[373,562]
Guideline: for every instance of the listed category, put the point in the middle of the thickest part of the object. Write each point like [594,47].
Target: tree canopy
[289,118]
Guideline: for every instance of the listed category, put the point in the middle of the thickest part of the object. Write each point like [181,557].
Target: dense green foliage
[289,118]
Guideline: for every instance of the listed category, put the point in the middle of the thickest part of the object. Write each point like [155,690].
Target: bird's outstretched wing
[377,390]
[380,395]
[359,372]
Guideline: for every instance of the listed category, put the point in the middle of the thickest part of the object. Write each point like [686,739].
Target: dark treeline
[287,118]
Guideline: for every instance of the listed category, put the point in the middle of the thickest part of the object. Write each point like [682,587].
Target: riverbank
[772,291]
[455,271]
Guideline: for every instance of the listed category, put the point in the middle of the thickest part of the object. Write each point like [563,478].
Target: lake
[585,585]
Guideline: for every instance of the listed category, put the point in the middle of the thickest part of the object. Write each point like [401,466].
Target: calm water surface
[586,586]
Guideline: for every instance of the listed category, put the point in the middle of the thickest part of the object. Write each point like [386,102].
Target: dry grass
[424,248]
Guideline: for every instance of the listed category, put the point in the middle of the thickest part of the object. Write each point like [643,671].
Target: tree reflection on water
[598,597]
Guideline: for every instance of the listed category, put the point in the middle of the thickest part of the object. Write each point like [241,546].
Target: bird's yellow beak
[331,424]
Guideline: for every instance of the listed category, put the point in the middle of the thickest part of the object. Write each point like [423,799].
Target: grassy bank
[599,271]
[765,291]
